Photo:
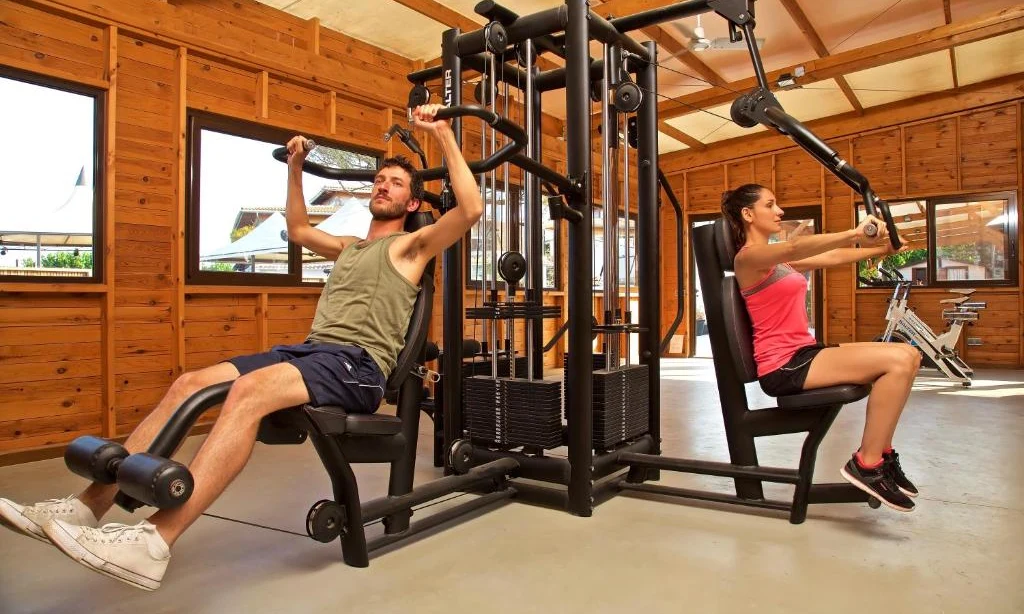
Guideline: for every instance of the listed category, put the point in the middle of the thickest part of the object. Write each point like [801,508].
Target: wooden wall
[969,151]
[95,358]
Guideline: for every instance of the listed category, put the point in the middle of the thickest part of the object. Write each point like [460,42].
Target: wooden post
[331,109]
[179,271]
[263,94]
[262,323]
[314,35]
[108,419]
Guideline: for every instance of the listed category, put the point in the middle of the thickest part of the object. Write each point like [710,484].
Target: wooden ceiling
[855,55]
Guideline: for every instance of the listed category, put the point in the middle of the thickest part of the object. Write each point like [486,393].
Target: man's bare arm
[300,231]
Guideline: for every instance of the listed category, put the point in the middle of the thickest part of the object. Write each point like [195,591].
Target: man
[357,333]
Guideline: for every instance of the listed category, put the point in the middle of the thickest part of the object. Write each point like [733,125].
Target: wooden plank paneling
[797,178]
[988,149]
[222,88]
[33,39]
[704,189]
[879,156]
[296,105]
[931,156]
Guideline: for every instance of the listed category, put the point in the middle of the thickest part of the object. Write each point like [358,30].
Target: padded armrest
[832,395]
[333,420]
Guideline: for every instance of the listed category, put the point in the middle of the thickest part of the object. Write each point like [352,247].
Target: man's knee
[190,382]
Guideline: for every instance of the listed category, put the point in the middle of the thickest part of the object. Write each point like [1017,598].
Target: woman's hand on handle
[904,246]
[871,231]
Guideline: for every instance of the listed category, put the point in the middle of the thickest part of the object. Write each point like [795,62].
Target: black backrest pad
[728,321]
[416,334]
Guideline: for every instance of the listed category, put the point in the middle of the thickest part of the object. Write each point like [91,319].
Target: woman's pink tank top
[778,312]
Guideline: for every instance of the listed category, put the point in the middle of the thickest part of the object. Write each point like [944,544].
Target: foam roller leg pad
[156,481]
[95,458]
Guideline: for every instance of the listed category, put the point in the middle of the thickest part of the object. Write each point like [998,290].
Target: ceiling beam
[948,11]
[454,19]
[682,53]
[442,14]
[622,8]
[904,47]
[681,136]
[986,93]
[802,22]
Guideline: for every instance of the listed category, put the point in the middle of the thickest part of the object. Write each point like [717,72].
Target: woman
[788,358]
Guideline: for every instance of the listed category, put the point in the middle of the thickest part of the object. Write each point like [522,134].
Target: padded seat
[333,420]
[819,397]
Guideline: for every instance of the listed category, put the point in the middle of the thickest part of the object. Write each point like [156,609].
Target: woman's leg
[889,367]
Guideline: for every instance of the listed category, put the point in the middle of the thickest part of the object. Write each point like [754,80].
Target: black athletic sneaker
[878,483]
[892,463]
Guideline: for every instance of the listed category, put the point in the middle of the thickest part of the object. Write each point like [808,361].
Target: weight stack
[513,412]
[600,361]
[621,405]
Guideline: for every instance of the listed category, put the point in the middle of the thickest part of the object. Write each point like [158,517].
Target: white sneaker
[31,519]
[133,554]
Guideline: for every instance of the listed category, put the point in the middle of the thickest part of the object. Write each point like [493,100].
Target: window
[954,241]
[598,214]
[498,239]
[237,228]
[51,194]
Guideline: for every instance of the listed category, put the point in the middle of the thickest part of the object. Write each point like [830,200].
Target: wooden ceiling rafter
[807,28]
[947,11]
[679,135]
[676,49]
[905,47]
[454,19]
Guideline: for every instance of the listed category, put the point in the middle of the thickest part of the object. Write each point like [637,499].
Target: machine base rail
[725,470]
[440,518]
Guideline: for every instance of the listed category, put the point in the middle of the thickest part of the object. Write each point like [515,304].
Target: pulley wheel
[632,132]
[325,521]
[512,267]
[418,95]
[460,456]
[497,38]
[740,111]
[482,86]
[595,90]
[628,97]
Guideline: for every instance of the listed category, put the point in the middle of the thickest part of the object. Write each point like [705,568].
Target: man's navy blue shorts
[342,375]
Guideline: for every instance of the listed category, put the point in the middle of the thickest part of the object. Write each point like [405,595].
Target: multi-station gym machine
[612,408]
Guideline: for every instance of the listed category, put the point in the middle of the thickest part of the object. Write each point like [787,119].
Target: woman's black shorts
[789,378]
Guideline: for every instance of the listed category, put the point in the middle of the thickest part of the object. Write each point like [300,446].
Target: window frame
[931,275]
[197,121]
[100,146]
[1010,246]
[477,284]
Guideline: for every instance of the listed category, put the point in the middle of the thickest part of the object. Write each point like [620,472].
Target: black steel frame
[583,478]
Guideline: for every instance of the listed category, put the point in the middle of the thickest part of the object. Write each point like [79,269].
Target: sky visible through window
[48,140]
[240,172]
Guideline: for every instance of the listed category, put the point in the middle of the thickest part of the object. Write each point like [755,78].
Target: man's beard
[385,210]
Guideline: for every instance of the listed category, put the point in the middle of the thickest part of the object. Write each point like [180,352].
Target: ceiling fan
[700,42]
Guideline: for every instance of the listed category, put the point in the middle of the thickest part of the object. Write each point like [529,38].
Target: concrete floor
[961,551]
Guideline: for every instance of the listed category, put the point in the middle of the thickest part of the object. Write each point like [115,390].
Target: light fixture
[701,41]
